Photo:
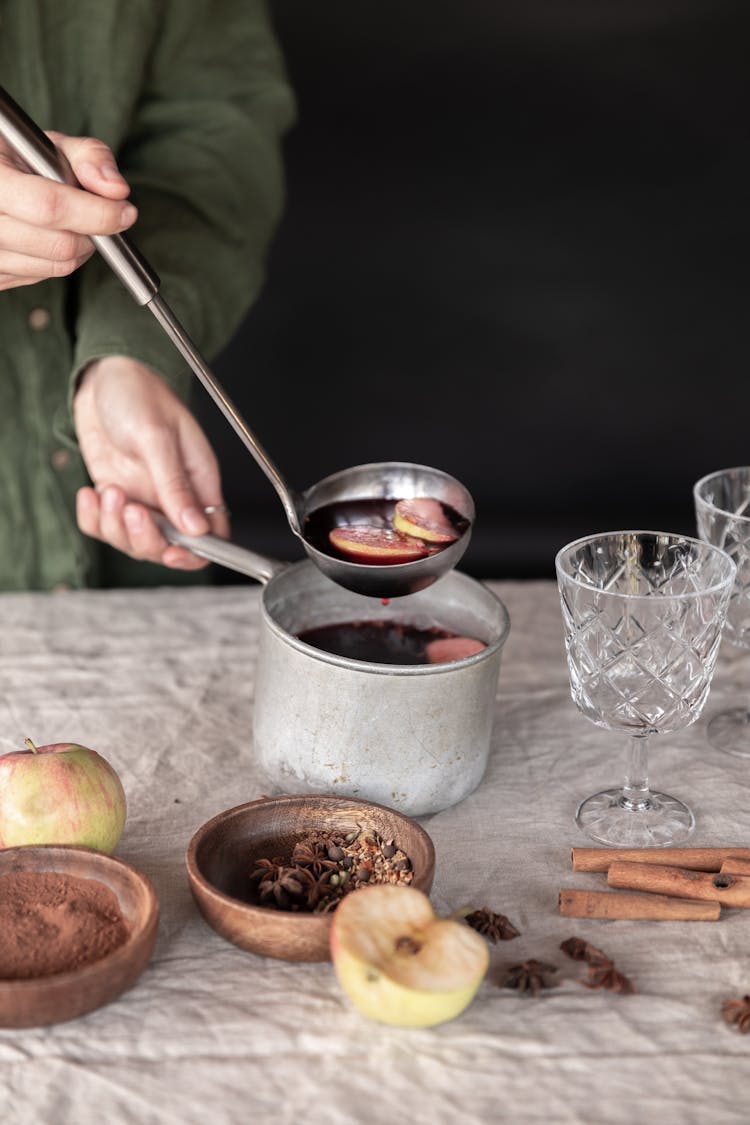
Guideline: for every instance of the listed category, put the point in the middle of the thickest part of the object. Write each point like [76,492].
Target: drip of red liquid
[385,601]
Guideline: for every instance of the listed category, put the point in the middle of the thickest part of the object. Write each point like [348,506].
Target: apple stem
[31,746]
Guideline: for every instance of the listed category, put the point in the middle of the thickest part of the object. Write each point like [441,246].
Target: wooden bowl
[224,851]
[64,996]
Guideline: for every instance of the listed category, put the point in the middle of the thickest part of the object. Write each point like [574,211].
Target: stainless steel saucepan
[415,737]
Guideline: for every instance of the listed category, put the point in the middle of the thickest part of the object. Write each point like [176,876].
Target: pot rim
[371,668]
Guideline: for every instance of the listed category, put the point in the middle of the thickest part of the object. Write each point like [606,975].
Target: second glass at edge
[643,613]
[722,512]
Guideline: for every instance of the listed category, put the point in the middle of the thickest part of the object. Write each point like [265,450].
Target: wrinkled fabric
[161,683]
[191,96]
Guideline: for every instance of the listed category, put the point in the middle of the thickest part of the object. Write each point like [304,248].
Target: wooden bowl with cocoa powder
[258,871]
[78,928]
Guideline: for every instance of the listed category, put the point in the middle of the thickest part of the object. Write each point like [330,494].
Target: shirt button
[39,319]
[60,459]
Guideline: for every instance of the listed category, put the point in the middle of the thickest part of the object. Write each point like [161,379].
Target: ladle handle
[220,551]
[41,156]
[190,353]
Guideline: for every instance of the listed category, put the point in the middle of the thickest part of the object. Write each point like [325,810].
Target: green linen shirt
[192,97]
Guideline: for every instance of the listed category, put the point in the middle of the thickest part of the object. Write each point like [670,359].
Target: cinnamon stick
[606,904]
[696,859]
[735,866]
[680,882]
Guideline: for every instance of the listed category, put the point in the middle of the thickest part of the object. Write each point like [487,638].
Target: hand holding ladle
[390,480]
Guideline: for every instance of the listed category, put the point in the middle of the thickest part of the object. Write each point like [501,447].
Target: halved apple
[424,518]
[378,545]
[400,963]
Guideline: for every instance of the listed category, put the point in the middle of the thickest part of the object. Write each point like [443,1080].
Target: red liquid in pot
[388,642]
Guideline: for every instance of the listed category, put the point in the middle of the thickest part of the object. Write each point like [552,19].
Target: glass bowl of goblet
[643,613]
[722,512]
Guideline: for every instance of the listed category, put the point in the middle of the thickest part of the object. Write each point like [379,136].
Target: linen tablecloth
[161,683]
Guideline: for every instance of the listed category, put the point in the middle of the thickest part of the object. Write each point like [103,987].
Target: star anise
[602,972]
[607,976]
[285,885]
[321,895]
[581,950]
[737,1012]
[529,976]
[267,869]
[495,927]
[312,856]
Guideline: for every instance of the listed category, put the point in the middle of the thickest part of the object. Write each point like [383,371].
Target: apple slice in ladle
[424,518]
[376,545]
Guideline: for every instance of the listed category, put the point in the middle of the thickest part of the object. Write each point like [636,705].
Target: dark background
[515,247]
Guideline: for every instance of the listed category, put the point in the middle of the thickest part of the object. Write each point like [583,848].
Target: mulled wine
[362,530]
[390,642]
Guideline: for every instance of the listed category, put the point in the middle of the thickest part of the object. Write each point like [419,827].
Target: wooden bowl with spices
[267,875]
[78,928]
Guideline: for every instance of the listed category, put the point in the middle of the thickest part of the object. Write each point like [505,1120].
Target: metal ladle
[387,479]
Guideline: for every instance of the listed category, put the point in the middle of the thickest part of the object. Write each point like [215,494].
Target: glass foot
[658,822]
[730,731]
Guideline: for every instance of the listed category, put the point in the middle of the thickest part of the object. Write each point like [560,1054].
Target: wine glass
[643,614]
[722,511]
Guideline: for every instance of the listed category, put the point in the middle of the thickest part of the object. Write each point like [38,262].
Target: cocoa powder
[52,923]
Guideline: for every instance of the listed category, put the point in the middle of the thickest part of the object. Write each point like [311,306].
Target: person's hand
[143,449]
[43,224]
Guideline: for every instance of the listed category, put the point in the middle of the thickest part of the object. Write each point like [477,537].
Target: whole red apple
[60,794]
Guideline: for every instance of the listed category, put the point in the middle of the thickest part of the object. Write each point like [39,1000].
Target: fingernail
[110,171]
[87,499]
[88,170]
[110,499]
[194,521]
[128,215]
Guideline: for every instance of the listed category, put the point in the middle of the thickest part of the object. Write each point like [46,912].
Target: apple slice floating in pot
[424,518]
[444,649]
[376,545]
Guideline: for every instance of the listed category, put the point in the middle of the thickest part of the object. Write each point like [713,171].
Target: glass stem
[635,791]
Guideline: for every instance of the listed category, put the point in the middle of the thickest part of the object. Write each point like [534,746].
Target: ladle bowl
[382,480]
[387,480]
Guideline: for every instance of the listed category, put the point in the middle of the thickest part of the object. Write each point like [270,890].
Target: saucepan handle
[221,551]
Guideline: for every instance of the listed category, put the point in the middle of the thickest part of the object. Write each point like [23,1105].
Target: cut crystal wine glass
[643,613]
[722,512]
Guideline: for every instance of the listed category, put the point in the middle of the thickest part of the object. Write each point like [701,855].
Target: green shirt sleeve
[203,158]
